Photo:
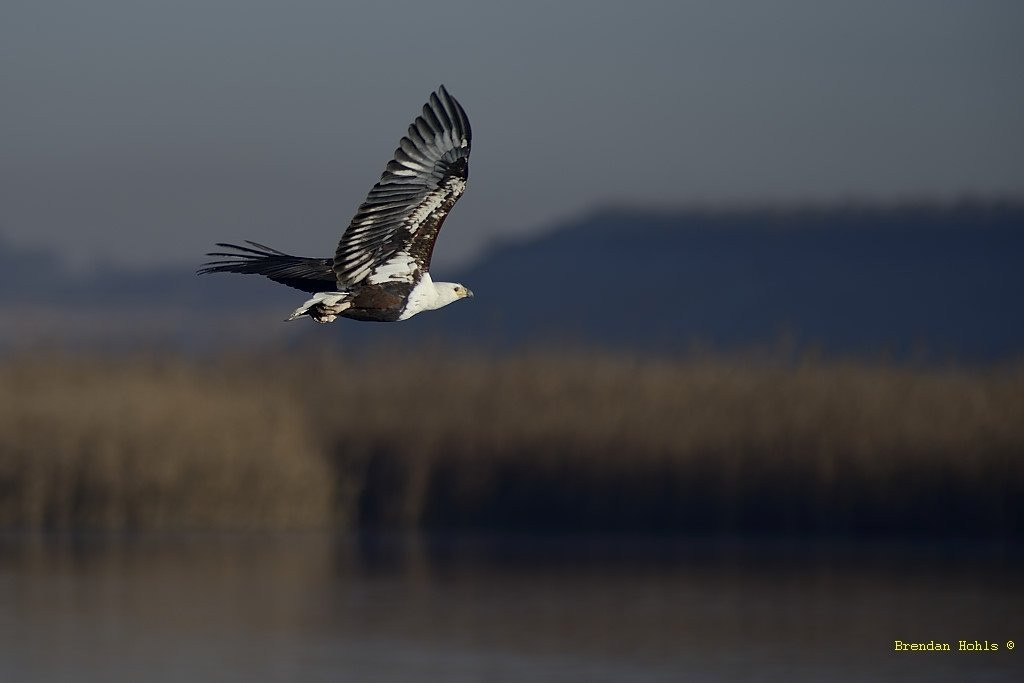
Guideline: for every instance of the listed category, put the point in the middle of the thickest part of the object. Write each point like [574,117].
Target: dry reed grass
[546,441]
[151,443]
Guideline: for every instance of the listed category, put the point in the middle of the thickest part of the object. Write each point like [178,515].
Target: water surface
[315,607]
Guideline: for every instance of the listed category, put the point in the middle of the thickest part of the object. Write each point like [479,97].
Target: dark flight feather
[307,274]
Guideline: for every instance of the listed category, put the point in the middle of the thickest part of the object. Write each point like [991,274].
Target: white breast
[423,297]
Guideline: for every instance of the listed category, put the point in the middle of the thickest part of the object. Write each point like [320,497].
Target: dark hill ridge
[945,281]
[853,280]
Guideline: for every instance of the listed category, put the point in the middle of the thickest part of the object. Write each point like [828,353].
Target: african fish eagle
[380,270]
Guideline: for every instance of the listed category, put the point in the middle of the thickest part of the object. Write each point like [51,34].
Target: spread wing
[391,237]
[308,274]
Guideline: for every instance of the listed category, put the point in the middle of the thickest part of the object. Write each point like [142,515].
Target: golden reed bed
[559,442]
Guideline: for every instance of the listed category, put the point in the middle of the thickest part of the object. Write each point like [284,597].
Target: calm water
[310,607]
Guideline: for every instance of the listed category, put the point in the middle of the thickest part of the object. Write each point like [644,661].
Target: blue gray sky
[137,131]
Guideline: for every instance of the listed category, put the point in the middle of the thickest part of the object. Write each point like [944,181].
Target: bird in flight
[381,268]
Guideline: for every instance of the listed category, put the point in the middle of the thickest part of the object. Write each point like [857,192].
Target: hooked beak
[469,292]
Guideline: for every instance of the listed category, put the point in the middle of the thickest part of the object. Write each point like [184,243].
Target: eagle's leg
[324,307]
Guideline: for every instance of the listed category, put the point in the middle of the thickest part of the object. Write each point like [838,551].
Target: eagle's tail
[324,307]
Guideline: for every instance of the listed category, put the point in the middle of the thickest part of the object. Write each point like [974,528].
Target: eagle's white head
[428,296]
[448,292]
